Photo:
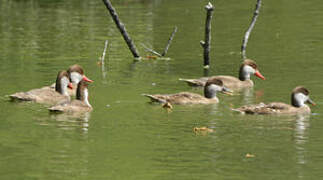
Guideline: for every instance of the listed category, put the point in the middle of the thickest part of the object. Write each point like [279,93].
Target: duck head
[76,73]
[247,68]
[82,92]
[62,82]
[213,86]
[300,96]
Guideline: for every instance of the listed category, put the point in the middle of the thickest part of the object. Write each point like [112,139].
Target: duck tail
[55,109]
[21,96]
[154,98]
[237,110]
[191,82]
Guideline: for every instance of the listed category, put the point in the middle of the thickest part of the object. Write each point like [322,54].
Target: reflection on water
[71,121]
[301,125]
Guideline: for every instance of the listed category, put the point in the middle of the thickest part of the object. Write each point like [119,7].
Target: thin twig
[150,50]
[169,41]
[121,28]
[247,34]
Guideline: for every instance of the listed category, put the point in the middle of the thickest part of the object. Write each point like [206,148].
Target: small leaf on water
[250,155]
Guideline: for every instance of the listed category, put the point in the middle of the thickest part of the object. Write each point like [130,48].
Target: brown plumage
[300,95]
[75,68]
[212,86]
[79,105]
[231,82]
[45,95]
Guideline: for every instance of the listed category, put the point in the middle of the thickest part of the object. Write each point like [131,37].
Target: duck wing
[179,98]
[261,108]
[71,107]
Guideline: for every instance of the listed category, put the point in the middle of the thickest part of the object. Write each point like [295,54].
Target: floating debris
[151,57]
[250,155]
[202,130]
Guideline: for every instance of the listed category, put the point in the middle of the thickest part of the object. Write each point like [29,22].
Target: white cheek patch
[76,77]
[301,99]
[64,84]
[215,88]
[86,97]
[65,81]
[248,69]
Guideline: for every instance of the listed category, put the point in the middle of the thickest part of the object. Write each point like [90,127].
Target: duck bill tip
[70,85]
[258,74]
[87,79]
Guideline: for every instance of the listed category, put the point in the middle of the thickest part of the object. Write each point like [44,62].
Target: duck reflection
[73,121]
[300,136]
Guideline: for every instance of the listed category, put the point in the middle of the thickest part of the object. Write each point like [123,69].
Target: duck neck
[61,85]
[244,72]
[298,99]
[82,94]
[76,77]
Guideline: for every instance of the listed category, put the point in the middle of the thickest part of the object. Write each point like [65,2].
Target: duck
[48,95]
[247,68]
[79,105]
[76,74]
[299,98]
[212,86]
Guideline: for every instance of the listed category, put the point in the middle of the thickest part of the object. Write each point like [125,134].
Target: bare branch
[248,32]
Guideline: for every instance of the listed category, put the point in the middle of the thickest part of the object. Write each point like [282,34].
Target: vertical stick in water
[169,41]
[206,44]
[246,36]
[104,52]
[104,73]
[121,28]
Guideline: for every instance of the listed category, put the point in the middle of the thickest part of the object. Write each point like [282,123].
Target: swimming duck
[212,86]
[79,105]
[247,68]
[47,95]
[299,97]
[76,74]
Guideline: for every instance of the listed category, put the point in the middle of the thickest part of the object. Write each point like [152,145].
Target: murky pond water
[127,138]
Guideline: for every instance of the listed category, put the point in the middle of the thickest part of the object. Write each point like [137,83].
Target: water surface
[125,137]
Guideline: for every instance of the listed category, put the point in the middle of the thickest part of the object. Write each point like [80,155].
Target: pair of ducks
[214,84]
[58,94]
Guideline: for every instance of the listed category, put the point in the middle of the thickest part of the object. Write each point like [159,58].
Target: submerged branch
[121,28]
[151,50]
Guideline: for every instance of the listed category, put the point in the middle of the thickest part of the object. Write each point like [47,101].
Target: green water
[127,138]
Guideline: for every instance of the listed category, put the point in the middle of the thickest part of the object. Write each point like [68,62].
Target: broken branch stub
[206,43]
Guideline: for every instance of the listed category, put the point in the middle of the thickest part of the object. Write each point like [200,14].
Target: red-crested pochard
[212,86]
[247,68]
[79,105]
[299,97]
